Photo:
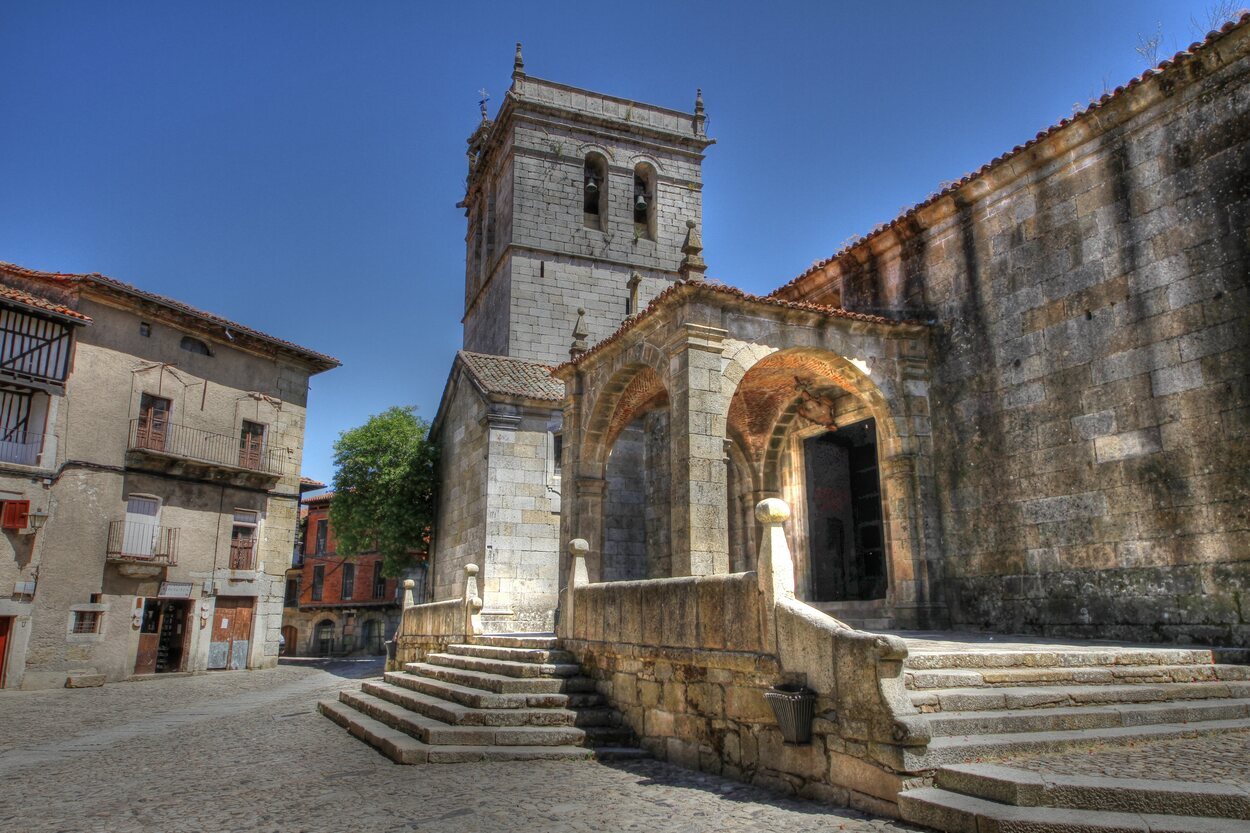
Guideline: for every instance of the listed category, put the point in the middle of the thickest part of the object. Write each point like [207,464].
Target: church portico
[759,398]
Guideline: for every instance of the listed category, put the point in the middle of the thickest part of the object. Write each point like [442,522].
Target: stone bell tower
[570,195]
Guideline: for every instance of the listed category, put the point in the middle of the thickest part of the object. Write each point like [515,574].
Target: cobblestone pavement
[246,751]
[1217,758]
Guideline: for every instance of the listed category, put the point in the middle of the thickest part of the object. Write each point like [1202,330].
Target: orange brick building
[335,605]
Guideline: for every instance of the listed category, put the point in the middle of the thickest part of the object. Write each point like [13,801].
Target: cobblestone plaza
[243,751]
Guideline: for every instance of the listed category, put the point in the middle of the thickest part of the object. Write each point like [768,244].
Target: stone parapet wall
[427,628]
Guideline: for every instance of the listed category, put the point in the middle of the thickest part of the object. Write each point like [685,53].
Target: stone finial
[700,118]
[775,565]
[518,63]
[692,265]
[485,97]
[580,334]
[634,282]
[408,599]
[472,603]
[578,549]
[772,510]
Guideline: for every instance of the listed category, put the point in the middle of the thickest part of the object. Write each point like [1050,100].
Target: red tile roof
[307,484]
[317,500]
[514,377]
[685,289]
[231,328]
[17,296]
[1169,67]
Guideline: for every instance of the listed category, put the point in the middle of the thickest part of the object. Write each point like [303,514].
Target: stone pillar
[408,600]
[775,567]
[472,604]
[590,494]
[578,577]
[700,539]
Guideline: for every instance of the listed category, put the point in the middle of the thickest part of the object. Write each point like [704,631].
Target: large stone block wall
[520,573]
[460,534]
[1091,391]
[691,685]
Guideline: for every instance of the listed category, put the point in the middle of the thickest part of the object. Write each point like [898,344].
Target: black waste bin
[794,707]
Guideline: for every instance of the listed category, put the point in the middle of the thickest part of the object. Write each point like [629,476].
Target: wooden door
[149,637]
[153,427]
[6,623]
[291,635]
[251,440]
[232,633]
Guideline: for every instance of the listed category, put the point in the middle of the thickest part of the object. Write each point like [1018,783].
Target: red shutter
[16,514]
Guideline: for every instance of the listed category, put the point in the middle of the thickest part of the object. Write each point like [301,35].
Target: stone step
[501,684]
[955,813]
[1064,718]
[404,749]
[505,668]
[436,733]
[1039,697]
[478,698]
[459,715]
[871,625]
[944,751]
[519,640]
[1025,788]
[532,655]
[1043,657]
[918,680]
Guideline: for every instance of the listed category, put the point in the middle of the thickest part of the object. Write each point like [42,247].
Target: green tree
[384,488]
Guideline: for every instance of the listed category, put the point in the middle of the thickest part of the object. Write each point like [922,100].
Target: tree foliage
[384,488]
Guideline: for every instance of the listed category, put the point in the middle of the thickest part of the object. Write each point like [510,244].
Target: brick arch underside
[629,394]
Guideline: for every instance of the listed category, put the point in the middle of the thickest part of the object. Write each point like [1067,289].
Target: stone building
[335,605]
[578,207]
[1022,405]
[150,478]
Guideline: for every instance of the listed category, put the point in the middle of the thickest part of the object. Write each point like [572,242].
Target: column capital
[692,336]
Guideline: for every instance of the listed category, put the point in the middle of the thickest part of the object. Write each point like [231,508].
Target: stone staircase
[994,706]
[501,698]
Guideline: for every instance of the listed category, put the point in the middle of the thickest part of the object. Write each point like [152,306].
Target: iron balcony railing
[132,541]
[239,452]
[21,447]
[242,554]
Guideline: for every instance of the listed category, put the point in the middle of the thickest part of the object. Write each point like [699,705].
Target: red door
[251,440]
[5,623]
[232,633]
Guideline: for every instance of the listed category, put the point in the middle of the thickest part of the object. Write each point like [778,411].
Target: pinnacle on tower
[518,63]
[700,118]
[580,334]
[692,265]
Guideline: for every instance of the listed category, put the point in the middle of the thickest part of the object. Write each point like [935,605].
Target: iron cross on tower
[482,103]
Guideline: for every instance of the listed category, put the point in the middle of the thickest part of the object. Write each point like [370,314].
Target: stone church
[1019,406]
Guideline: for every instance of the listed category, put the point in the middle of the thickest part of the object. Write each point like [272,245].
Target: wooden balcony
[237,459]
[141,550]
[22,448]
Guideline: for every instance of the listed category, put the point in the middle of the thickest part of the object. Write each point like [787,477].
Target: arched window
[194,345]
[644,202]
[595,192]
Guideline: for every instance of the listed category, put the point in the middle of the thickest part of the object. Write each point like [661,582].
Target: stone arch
[633,382]
[784,397]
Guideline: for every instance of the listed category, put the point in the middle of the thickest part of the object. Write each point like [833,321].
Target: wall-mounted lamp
[35,520]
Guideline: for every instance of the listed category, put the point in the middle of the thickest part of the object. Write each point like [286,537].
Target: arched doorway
[290,636]
[324,639]
[374,637]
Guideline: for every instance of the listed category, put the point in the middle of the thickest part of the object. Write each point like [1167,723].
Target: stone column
[700,540]
[578,549]
[775,567]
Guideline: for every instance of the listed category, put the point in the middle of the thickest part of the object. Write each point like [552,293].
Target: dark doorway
[162,636]
[844,514]
[5,626]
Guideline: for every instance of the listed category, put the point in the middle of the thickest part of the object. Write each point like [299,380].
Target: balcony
[140,550]
[241,460]
[21,448]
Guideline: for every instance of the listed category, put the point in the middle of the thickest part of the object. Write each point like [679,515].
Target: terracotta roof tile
[308,484]
[17,296]
[1169,67]
[104,282]
[317,500]
[514,377]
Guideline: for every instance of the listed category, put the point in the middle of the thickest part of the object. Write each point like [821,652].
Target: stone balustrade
[427,628]
[687,661]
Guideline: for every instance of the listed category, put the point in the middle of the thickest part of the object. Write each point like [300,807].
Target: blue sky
[295,165]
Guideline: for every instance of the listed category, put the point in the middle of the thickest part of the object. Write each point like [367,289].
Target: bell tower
[574,200]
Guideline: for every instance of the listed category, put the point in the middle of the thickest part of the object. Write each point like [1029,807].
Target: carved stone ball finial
[409,584]
[578,546]
[772,511]
[470,569]
[518,63]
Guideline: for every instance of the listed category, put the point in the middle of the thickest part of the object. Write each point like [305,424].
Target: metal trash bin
[794,707]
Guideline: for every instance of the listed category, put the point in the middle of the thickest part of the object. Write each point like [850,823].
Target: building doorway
[845,540]
[325,638]
[232,633]
[374,637]
[6,627]
[163,636]
[290,636]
